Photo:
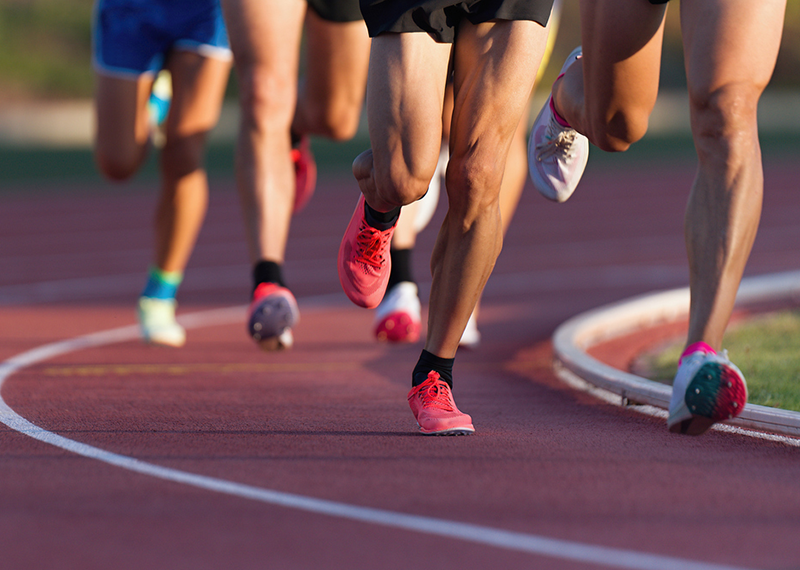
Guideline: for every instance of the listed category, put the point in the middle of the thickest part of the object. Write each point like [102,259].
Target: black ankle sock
[381,221]
[267,272]
[401,267]
[428,362]
[295,139]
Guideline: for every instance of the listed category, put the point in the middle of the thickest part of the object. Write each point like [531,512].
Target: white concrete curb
[575,336]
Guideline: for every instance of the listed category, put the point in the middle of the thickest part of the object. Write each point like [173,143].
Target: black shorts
[440,18]
[659,1]
[336,10]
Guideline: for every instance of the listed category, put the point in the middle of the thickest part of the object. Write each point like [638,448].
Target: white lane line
[517,541]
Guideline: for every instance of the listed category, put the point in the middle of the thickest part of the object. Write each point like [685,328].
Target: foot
[364,260]
[305,172]
[157,322]
[435,410]
[708,388]
[557,155]
[273,312]
[398,316]
[471,337]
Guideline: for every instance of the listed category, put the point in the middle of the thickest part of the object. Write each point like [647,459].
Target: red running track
[552,479]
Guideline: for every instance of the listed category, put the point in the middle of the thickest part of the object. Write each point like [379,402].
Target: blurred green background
[45,48]
[45,57]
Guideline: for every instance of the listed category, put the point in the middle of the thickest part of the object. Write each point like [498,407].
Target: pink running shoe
[435,410]
[305,172]
[397,318]
[273,312]
[364,260]
[557,154]
[707,389]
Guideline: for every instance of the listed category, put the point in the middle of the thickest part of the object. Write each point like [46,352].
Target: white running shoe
[397,318]
[708,388]
[557,155]
[471,337]
[157,322]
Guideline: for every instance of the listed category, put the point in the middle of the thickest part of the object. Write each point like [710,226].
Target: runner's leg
[123,128]
[265,40]
[331,94]
[198,88]
[488,77]
[609,93]
[730,49]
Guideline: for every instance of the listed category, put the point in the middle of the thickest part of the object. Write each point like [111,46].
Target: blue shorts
[133,37]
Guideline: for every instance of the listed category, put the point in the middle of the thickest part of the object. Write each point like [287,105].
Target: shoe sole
[449,431]
[271,322]
[167,342]
[283,341]
[716,393]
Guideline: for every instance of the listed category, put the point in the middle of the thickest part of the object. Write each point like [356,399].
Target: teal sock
[162,284]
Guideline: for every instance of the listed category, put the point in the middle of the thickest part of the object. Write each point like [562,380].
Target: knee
[335,120]
[399,183]
[475,186]
[118,165]
[616,131]
[724,121]
[182,155]
[266,101]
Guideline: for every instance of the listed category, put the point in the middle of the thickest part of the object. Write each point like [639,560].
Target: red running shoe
[435,410]
[397,318]
[273,312]
[364,260]
[305,172]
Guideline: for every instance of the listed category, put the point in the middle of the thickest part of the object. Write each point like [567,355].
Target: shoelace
[557,142]
[371,245]
[437,395]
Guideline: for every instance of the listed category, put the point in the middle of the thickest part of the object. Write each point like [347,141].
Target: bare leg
[730,49]
[265,40]
[123,128]
[409,74]
[487,78]
[332,93]
[198,88]
[618,73]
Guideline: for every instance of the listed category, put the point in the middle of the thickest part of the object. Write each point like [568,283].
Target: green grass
[765,348]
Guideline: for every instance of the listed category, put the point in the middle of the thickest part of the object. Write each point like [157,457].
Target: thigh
[198,87]
[621,55]
[405,94]
[337,60]
[494,68]
[265,39]
[730,43]
[123,127]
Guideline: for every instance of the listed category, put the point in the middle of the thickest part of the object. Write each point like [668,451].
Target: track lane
[547,461]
